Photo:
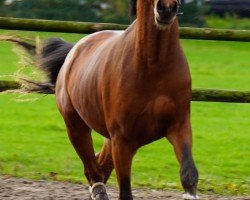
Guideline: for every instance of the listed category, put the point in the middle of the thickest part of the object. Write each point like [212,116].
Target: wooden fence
[209,95]
[87,28]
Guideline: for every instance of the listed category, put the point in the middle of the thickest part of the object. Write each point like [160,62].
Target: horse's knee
[189,173]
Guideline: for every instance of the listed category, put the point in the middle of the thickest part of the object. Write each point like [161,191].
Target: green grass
[34,143]
[227,22]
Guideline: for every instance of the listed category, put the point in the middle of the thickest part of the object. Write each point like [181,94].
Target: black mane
[133,8]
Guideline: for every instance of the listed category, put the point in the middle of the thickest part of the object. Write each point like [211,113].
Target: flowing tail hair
[49,58]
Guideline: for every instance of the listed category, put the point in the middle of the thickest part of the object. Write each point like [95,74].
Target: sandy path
[22,189]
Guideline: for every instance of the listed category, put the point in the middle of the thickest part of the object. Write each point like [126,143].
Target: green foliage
[76,10]
[194,14]
[117,12]
[111,11]
[34,143]
[2,2]
[90,10]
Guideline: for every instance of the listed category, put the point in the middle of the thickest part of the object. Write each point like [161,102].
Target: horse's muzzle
[166,12]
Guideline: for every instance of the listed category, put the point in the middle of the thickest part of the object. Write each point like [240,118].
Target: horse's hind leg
[80,136]
[182,142]
[105,159]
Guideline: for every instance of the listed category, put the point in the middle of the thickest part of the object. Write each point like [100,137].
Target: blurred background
[197,13]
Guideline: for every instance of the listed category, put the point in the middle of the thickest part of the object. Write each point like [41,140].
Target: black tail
[52,57]
[49,58]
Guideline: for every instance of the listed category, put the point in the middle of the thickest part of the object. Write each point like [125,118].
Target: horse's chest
[146,119]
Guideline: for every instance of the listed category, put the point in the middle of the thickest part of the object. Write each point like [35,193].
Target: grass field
[34,144]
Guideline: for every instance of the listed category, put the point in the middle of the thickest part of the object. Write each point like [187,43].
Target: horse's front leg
[181,139]
[123,152]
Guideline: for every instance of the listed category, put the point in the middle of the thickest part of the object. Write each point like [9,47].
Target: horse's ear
[133,8]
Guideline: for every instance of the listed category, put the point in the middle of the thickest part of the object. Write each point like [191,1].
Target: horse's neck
[153,46]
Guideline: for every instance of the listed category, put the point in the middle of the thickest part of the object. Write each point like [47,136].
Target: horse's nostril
[174,8]
[160,6]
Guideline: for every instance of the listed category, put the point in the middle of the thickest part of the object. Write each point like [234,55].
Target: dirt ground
[22,189]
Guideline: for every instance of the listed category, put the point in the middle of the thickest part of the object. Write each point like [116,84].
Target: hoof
[188,196]
[98,192]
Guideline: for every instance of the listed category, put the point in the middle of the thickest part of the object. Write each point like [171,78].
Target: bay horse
[133,87]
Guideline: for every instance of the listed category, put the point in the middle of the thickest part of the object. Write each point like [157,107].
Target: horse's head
[165,12]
